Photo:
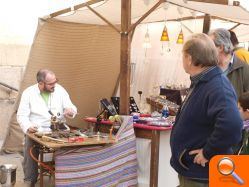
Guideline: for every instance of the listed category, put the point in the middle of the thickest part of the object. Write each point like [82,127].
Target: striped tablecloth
[96,166]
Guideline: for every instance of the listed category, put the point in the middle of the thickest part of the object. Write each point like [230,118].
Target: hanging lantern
[146,43]
[165,35]
[180,38]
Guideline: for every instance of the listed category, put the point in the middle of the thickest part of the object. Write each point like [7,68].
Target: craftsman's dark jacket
[209,119]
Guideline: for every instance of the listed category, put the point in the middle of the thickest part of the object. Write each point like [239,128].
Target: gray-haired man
[236,70]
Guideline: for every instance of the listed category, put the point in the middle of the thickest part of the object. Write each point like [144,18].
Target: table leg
[154,160]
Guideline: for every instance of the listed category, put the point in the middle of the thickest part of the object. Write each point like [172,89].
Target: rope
[38,161]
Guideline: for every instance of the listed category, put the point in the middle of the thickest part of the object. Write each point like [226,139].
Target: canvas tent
[84,51]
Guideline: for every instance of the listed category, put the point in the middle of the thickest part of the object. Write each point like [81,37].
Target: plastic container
[8,174]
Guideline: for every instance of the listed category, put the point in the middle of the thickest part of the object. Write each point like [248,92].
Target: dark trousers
[185,182]
[30,167]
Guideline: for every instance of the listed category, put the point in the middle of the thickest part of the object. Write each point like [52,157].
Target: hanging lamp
[146,43]
[165,35]
[180,38]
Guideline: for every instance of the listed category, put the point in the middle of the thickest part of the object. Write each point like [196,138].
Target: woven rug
[96,166]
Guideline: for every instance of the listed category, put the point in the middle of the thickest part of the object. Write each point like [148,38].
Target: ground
[16,159]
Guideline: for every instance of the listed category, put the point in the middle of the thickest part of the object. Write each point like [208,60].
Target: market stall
[91,50]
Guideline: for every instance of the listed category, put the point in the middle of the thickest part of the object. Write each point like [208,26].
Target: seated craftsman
[38,103]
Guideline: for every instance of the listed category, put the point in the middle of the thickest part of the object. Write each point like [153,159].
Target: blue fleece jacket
[210,120]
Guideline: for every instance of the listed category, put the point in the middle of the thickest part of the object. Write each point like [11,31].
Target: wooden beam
[222,2]
[145,15]
[238,24]
[87,4]
[214,17]
[176,19]
[206,23]
[192,18]
[224,19]
[186,27]
[125,57]
[66,10]
[91,2]
[104,19]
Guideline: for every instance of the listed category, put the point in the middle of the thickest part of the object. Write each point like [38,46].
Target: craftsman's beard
[48,89]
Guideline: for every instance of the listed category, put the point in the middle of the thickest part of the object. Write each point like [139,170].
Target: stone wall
[13,59]
[10,76]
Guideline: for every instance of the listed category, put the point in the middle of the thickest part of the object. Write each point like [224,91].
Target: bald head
[42,74]
[202,50]
[46,80]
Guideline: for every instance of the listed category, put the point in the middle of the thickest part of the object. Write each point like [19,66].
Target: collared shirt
[33,111]
[226,71]
[194,80]
[246,125]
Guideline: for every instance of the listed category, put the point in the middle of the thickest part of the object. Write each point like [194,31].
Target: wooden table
[146,132]
[54,146]
[87,141]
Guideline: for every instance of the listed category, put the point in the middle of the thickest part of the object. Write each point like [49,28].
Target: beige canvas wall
[85,59]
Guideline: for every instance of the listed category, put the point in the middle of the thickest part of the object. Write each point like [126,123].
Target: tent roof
[111,10]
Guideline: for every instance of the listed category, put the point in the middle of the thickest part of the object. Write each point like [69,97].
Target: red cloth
[135,125]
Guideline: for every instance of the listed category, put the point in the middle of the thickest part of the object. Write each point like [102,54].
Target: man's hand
[199,157]
[69,113]
[32,129]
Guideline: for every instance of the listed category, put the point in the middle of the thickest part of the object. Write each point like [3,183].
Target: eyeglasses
[52,83]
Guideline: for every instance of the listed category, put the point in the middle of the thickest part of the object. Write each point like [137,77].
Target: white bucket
[8,174]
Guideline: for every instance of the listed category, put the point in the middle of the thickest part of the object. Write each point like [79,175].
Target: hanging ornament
[146,44]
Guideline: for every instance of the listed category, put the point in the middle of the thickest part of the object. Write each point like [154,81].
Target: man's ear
[220,48]
[189,57]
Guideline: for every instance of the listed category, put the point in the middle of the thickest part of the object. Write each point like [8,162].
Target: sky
[18,18]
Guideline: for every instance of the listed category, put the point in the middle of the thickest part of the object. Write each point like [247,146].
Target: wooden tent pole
[206,23]
[125,57]
[125,70]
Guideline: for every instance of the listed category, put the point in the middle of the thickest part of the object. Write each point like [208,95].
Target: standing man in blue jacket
[208,122]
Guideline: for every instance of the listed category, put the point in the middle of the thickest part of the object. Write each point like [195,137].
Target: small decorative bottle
[165,111]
